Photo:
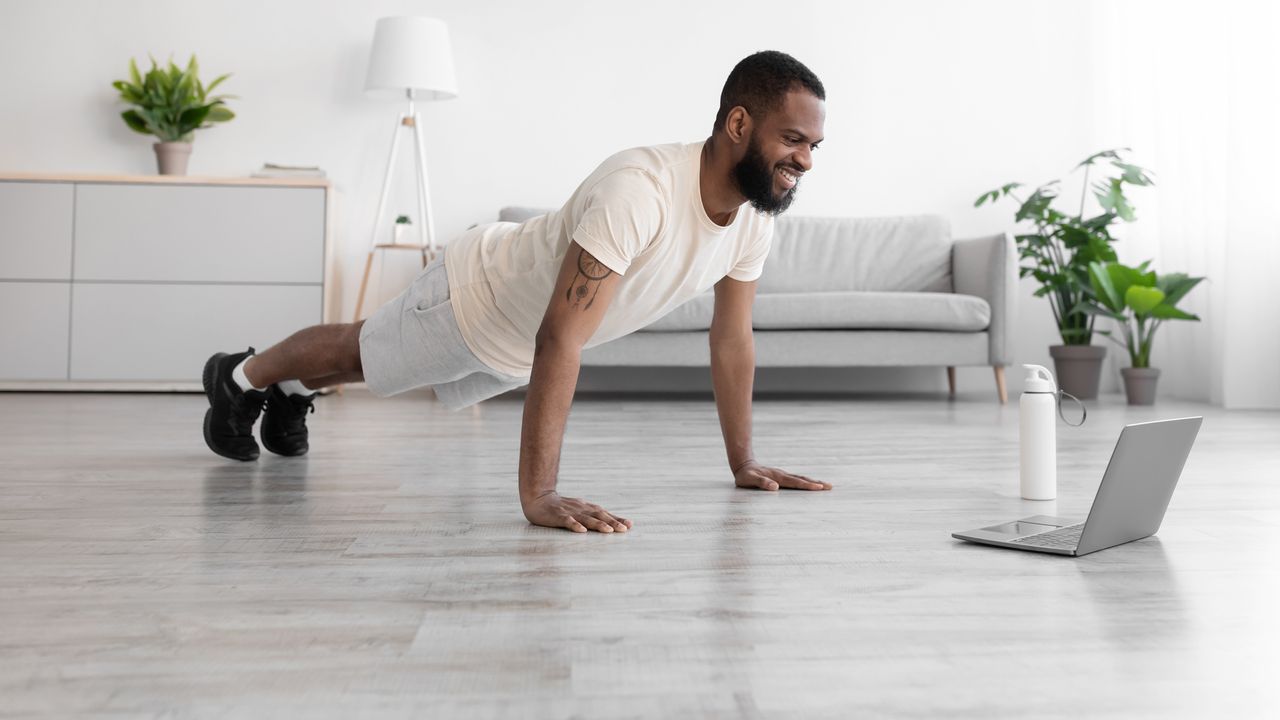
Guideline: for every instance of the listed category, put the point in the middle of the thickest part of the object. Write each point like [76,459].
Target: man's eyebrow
[803,136]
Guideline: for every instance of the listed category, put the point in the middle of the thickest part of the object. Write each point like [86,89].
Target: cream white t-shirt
[640,213]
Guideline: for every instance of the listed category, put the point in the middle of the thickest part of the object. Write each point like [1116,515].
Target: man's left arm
[733,368]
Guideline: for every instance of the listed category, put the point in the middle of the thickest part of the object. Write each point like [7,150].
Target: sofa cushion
[908,254]
[843,311]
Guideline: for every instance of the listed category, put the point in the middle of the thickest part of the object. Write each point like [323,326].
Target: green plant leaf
[1143,299]
[148,119]
[1037,204]
[216,82]
[1105,289]
[220,113]
[135,122]
[192,118]
[1168,312]
[1090,309]
[1122,277]
[1107,154]
[1133,174]
[1176,286]
[1110,195]
[128,93]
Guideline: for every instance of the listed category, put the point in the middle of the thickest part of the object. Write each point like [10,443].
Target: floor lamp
[411,58]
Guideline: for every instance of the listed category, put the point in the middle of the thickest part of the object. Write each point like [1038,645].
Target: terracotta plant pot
[1078,368]
[1140,385]
[172,157]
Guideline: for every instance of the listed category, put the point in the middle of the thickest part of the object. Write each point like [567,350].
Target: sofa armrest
[988,268]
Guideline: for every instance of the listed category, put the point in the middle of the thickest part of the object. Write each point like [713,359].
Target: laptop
[1130,503]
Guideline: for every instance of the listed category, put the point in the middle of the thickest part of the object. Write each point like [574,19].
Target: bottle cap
[1038,380]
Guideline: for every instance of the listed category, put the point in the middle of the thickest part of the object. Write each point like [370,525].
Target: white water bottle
[1037,443]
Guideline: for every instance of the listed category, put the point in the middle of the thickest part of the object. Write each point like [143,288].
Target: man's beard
[755,181]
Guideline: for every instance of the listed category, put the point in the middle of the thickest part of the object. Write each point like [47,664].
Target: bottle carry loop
[1084,411]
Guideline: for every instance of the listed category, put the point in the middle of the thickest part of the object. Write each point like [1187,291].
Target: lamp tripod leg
[364,284]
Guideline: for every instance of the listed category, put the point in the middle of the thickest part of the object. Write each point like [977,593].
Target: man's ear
[737,125]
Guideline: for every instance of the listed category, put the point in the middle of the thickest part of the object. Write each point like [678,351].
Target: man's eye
[813,146]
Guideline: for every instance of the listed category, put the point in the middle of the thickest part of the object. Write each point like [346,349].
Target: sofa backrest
[906,254]
[911,253]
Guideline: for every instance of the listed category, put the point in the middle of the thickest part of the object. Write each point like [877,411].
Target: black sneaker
[228,423]
[284,424]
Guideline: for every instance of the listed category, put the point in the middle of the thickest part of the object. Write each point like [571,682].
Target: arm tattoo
[591,271]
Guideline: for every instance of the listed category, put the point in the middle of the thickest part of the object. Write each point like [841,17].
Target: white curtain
[1194,90]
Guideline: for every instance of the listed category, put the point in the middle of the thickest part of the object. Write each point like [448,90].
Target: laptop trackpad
[1019,528]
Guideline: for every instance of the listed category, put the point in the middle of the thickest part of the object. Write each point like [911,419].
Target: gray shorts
[413,341]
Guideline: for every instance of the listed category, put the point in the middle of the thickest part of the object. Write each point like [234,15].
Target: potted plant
[1140,301]
[171,103]
[1058,253]
[400,228]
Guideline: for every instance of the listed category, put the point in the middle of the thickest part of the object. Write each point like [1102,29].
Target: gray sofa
[847,292]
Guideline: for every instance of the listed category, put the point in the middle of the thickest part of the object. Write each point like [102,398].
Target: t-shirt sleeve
[751,263]
[624,213]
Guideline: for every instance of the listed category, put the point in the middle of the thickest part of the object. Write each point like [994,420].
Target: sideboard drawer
[208,233]
[162,332]
[33,323]
[35,231]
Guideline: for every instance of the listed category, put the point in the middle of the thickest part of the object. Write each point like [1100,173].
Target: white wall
[929,103]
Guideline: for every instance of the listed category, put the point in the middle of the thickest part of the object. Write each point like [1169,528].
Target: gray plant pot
[1078,368]
[172,157]
[1140,385]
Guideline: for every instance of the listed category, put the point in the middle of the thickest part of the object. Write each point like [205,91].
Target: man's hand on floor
[759,477]
[551,510]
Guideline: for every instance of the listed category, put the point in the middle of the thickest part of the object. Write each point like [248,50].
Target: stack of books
[274,170]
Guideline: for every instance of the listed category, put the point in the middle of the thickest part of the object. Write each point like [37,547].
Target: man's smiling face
[780,151]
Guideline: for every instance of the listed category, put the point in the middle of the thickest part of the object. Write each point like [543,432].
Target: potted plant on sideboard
[1058,253]
[1139,300]
[171,103]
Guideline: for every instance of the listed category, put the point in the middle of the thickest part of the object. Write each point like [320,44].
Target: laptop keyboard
[1066,538]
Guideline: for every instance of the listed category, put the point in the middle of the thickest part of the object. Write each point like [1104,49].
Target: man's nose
[804,159]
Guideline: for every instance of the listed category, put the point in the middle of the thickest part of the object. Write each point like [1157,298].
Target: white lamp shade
[412,53]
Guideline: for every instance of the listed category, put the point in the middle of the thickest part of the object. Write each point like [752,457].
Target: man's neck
[720,198]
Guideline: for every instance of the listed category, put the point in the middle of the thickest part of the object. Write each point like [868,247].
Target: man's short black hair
[760,81]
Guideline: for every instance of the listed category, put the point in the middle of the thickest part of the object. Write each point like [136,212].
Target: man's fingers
[573,524]
[807,484]
[616,522]
[800,482]
[597,524]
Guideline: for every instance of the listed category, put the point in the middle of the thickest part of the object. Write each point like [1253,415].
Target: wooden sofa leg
[1000,389]
[951,380]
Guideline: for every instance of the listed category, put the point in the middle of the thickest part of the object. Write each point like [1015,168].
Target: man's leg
[320,352]
[239,385]
[334,379]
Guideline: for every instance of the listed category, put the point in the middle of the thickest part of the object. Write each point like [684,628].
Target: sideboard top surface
[162,179]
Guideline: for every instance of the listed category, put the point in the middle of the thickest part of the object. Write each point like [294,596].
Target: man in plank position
[510,304]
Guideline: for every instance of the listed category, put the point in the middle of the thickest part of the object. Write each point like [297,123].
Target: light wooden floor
[391,574]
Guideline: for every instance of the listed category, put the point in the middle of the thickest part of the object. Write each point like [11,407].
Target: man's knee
[353,347]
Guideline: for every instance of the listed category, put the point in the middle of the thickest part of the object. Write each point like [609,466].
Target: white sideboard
[130,283]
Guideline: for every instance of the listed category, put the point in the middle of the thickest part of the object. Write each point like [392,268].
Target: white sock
[295,387]
[239,378]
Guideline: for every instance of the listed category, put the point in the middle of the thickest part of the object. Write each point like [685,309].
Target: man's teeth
[789,176]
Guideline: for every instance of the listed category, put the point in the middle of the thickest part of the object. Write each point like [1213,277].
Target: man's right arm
[582,293]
